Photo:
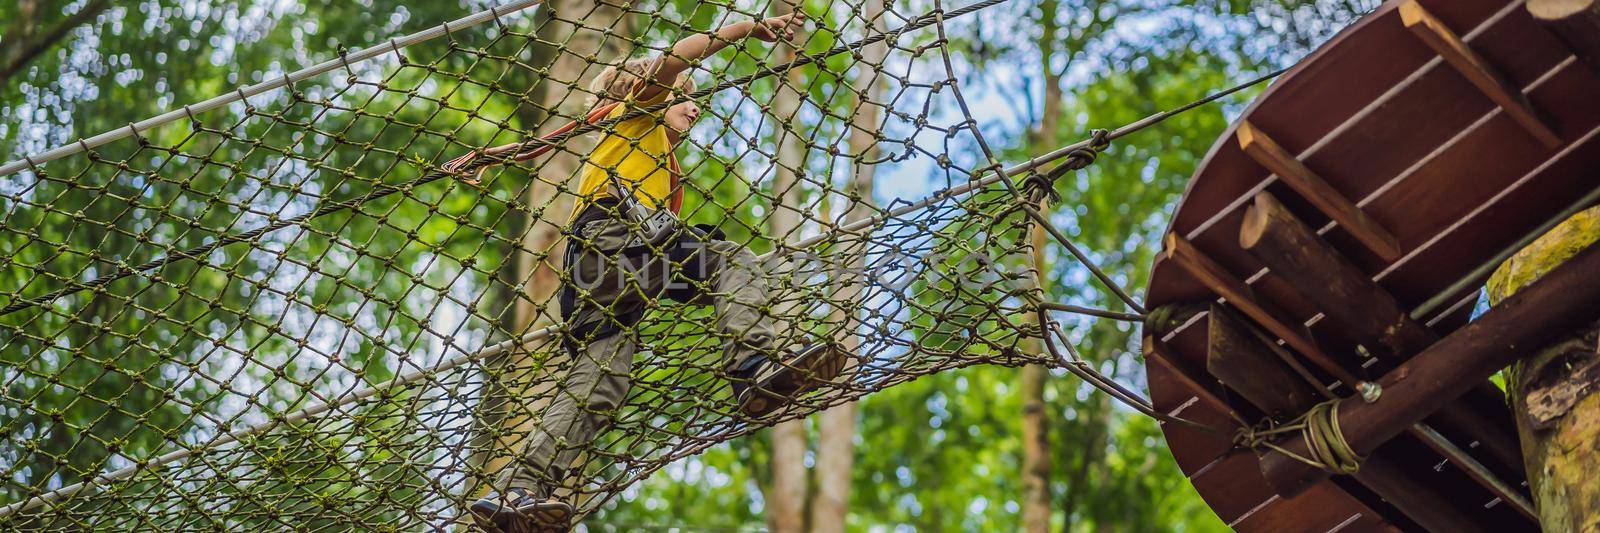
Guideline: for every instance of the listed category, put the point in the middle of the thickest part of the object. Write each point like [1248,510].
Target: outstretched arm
[459,165]
[668,68]
[702,45]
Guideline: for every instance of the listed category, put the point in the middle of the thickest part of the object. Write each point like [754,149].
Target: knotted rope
[1320,428]
[1041,187]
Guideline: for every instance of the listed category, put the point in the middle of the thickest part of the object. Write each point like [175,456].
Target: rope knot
[1043,186]
[1256,436]
[1081,158]
[1100,139]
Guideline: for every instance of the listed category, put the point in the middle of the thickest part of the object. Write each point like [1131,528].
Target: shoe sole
[489,519]
[540,517]
[802,374]
[546,518]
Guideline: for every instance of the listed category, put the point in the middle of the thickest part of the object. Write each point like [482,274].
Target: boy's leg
[737,284]
[583,406]
[594,387]
[766,371]
[602,300]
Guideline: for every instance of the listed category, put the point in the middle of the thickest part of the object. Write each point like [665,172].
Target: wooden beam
[1268,153]
[1239,295]
[1355,304]
[1564,299]
[1470,466]
[1477,70]
[1250,368]
[1575,22]
[1345,294]
[1241,362]
[1157,351]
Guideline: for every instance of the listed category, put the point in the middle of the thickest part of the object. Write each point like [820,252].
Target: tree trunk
[1553,395]
[786,502]
[1096,419]
[1035,452]
[1035,426]
[836,427]
[1036,508]
[530,277]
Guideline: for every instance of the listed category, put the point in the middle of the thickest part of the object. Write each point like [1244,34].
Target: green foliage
[938,453]
[97,379]
[943,452]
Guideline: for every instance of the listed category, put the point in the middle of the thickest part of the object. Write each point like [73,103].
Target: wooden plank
[1233,487]
[1565,298]
[1391,142]
[1323,509]
[1172,391]
[1576,22]
[1441,190]
[1499,220]
[1359,306]
[1479,217]
[1419,500]
[1157,352]
[1477,71]
[1303,109]
[1370,111]
[1269,154]
[1238,294]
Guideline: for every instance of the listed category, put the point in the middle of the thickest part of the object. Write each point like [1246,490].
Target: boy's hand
[776,28]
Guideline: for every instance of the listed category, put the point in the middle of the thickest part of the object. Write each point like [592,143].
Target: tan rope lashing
[1319,426]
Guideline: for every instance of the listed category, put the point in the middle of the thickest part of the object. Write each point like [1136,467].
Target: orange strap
[674,202]
[593,115]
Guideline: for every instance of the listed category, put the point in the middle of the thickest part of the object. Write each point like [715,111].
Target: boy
[615,268]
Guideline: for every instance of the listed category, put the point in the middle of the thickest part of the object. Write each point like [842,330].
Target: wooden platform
[1433,159]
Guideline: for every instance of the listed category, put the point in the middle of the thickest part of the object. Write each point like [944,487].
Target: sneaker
[518,511]
[762,386]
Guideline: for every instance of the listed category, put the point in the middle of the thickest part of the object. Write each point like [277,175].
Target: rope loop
[189,112]
[1042,186]
[132,129]
[1100,139]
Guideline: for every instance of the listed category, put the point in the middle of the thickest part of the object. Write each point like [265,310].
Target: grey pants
[609,289]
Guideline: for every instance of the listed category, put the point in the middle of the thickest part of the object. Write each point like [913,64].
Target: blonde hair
[615,82]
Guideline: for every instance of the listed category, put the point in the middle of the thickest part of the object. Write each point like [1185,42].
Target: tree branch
[14,58]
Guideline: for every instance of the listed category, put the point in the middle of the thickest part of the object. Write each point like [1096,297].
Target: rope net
[281,313]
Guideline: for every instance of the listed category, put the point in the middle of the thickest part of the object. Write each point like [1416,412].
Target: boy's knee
[607,396]
[730,250]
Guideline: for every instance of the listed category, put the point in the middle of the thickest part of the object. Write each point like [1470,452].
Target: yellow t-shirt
[639,152]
